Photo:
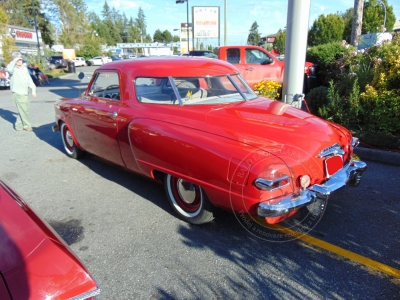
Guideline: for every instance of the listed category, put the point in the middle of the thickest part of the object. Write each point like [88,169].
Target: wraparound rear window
[192,90]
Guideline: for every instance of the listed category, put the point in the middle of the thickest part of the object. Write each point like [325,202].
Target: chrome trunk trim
[332,150]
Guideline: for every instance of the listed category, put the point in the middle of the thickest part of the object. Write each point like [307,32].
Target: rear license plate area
[333,164]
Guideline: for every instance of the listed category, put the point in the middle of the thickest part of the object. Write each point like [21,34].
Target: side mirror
[267,61]
[81,75]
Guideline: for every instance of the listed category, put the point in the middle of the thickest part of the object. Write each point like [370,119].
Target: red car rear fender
[226,168]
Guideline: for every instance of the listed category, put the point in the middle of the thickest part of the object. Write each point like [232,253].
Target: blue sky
[269,15]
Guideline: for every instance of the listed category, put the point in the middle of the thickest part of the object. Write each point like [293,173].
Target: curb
[386,157]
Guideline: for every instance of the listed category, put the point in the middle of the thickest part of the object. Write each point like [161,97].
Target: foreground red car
[194,124]
[34,261]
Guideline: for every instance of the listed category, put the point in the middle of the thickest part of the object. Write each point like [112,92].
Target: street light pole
[384,21]
[37,33]
[187,18]
[225,28]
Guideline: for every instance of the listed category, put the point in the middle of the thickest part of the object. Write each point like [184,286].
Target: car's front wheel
[188,200]
[69,144]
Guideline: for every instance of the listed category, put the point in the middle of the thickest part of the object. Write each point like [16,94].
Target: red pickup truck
[256,64]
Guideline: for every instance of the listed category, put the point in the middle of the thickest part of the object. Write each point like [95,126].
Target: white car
[97,61]
[79,62]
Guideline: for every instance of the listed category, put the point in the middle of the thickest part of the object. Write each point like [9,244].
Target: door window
[255,56]
[106,85]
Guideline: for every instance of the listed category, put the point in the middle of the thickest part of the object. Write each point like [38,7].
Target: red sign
[24,34]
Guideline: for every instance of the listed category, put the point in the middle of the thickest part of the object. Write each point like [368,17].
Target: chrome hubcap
[187,191]
[69,140]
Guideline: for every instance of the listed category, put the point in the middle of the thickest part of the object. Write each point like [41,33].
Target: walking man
[104,59]
[20,83]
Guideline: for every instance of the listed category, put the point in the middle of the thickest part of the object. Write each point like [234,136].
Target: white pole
[295,51]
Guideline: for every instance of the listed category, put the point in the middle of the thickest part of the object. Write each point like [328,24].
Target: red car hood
[270,124]
[34,262]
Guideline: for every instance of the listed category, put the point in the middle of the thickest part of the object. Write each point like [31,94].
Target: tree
[280,42]
[8,43]
[348,24]
[254,37]
[22,12]
[326,29]
[158,36]
[374,16]
[140,22]
[71,17]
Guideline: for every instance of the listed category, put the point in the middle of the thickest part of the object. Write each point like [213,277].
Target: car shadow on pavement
[140,185]
[68,88]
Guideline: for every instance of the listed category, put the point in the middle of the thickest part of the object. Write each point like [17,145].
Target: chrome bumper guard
[350,174]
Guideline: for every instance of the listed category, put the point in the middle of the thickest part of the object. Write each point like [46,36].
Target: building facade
[26,40]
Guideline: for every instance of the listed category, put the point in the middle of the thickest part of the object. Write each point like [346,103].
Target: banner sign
[147,45]
[206,21]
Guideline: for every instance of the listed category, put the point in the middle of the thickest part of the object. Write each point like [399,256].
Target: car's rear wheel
[188,200]
[69,144]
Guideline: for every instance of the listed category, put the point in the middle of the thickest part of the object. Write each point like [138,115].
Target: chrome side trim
[86,295]
[270,185]
[350,174]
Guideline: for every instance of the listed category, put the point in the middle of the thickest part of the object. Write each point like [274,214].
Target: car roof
[176,66]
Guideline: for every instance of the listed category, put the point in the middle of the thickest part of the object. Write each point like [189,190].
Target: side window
[106,85]
[233,56]
[254,56]
[150,90]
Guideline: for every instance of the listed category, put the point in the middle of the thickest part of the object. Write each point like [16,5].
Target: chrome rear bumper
[350,174]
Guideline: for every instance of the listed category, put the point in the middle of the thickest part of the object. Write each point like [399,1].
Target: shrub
[317,98]
[323,56]
[362,92]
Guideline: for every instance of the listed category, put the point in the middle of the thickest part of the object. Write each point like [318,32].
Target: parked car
[56,62]
[114,58]
[79,62]
[96,61]
[195,125]
[35,263]
[4,79]
[205,53]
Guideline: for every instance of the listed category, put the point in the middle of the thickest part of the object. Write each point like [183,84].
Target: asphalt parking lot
[122,228]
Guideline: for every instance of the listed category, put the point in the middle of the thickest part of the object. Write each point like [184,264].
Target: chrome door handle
[113,114]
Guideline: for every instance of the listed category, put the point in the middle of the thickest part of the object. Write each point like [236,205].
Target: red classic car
[195,125]
[35,263]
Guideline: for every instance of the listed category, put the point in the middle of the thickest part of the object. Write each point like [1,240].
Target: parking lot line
[339,251]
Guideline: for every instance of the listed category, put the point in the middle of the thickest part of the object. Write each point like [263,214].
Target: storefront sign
[23,35]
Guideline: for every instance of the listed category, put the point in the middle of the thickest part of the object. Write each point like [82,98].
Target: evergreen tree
[280,42]
[254,37]
[140,22]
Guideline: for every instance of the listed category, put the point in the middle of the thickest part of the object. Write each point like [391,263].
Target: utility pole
[357,21]
[37,32]
[295,51]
